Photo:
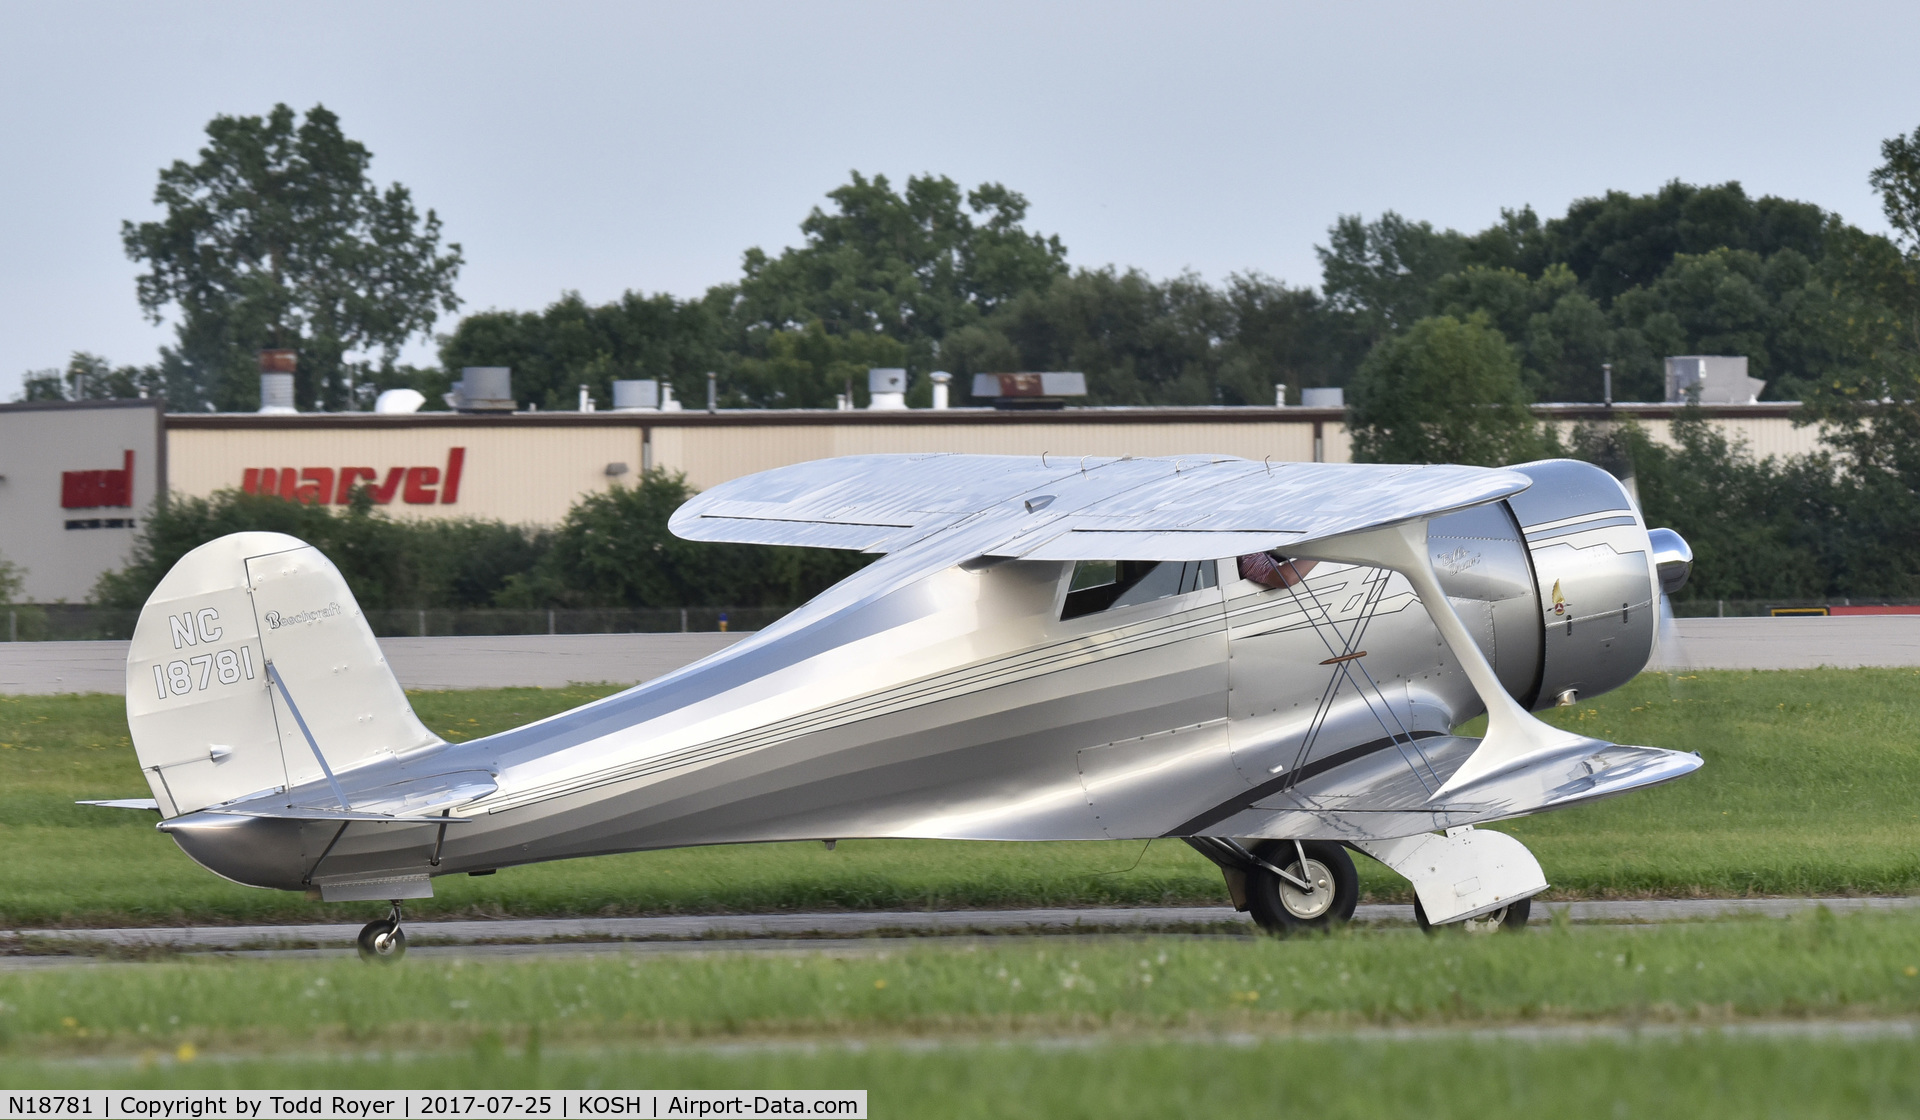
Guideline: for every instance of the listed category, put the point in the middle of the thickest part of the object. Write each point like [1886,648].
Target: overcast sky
[612,146]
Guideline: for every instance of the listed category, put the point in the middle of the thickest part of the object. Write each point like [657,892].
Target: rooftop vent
[886,390]
[1711,379]
[276,380]
[636,396]
[1029,390]
[483,389]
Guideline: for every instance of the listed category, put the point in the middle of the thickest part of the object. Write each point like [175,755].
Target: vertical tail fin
[207,724]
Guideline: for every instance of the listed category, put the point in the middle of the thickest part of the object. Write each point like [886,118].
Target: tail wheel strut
[384,940]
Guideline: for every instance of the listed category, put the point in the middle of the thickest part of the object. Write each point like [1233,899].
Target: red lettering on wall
[94,489]
[383,493]
[349,478]
[420,482]
[419,486]
[316,486]
[456,461]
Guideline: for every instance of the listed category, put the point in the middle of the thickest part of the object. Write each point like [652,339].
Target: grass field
[1708,1078]
[1164,1026]
[1808,789]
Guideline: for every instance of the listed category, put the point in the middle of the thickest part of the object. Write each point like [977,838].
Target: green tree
[614,550]
[387,562]
[808,368]
[1137,340]
[1869,399]
[571,343]
[1382,272]
[1620,241]
[914,265]
[1446,391]
[1561,333]
[276,237]
[1280,335]
[12,578]
[89,377]
[1798,528]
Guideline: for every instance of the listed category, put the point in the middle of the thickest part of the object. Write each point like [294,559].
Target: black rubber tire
[1512,920]
[379,941]
[1271,913]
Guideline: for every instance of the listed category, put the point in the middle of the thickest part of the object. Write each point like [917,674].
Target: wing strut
[1514,737]
[297,718]
[1346,657]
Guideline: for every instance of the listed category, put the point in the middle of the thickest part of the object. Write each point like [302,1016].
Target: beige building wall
[530,469]
[710,455]
[1762,436]
[521,475]
[62,540]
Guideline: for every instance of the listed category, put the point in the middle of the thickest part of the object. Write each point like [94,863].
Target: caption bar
[374,1104]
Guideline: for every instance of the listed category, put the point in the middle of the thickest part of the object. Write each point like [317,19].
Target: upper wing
[1054,508]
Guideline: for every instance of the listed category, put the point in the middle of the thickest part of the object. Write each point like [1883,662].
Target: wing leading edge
[1194,507]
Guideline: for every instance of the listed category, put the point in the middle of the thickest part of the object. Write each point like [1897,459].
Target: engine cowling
[1594,566]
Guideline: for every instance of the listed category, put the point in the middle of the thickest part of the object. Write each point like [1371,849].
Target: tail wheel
[383,941]
[1511,918]
[1282,908]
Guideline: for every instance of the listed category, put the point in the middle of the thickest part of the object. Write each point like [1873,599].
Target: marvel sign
[417,486]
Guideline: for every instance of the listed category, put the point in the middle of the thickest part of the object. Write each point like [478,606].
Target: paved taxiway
[862,933]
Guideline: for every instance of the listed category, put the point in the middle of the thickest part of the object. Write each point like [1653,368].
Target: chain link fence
[62,622]
[1761,608]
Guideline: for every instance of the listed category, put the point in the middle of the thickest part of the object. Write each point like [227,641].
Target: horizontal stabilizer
[310,813]
[147,803]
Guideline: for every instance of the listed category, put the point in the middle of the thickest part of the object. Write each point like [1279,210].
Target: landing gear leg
[384,940]
[1281,907]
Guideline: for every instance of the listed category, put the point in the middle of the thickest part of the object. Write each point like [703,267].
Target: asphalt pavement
[866,932]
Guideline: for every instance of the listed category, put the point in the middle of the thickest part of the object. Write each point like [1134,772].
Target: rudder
[207,724]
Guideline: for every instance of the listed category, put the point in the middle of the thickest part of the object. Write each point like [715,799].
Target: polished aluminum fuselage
[961,705]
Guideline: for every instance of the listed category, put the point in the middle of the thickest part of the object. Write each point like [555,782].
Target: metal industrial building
[75,479]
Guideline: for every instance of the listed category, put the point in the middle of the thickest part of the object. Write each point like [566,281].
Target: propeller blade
[1669,653]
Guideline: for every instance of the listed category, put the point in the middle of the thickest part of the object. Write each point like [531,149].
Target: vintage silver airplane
[1265,660]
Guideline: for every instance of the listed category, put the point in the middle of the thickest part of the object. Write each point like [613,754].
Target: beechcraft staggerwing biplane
[1045,649]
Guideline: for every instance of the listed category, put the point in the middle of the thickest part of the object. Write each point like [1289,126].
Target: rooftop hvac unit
[886,390]
[483,389]
[636,396]
[1029,390]
[1323,398]
[1711,379]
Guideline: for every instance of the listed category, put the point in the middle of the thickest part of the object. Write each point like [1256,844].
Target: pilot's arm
[1271,570]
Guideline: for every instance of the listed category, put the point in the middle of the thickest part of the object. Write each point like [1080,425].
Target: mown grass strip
[1807,790]
[1707,1078]
[1821,966]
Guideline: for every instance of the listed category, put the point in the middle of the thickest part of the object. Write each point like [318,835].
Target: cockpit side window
[1099,585]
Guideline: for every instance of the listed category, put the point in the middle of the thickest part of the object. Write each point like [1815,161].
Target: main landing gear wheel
[384,940]
[1282,908]
[1511,918]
